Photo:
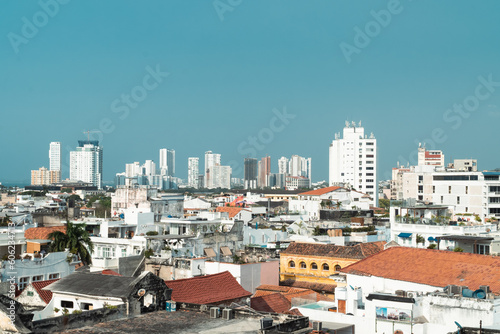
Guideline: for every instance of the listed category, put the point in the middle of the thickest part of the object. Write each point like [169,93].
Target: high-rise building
[55,156]
[300,167]
[221,177]
[42,177]
[283,166]
[193,172]
[86,163]
[211,160]
[353,160]
[167,162]
[250,173]
[264,171]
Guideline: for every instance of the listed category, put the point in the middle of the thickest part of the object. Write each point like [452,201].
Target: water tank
[479,294]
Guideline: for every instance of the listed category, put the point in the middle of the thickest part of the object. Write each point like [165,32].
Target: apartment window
[420,177]
[66,304]
[124,252]
[23,282]
[369,180]
[291,264]
[337,267]
[369,162]
[483,249]
[433,189]
[37,278]
[458,199]
[326,267]
[369,143]
[442,199]
[369,174]
[87,306]
[369,168]
[341,174]
[449,189]
[54,276]
[360,156]
[314,266]
[466,189]
[466,209]
[369,155]
[303,265]
[369,187]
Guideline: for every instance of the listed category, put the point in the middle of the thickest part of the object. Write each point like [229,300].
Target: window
[420,177]
[124,250]
[30,294]
[291,264]
[337,267]
[483,249]
[369,143]
[87,306]
[433,189]
[369,168]
[23,282]
[326,267]
[303,265]
[314,266]
[466,189]
[458,199]
[442,199]
[54,276]
[449,189]
[37,278]
[369,155]
[106,252]
[66,304]
[369,174]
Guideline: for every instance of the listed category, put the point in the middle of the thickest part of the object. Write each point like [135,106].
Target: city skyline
[251,81]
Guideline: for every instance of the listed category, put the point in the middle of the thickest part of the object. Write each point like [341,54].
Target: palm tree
[76,239]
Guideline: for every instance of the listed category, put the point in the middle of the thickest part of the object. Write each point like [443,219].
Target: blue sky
[226,76]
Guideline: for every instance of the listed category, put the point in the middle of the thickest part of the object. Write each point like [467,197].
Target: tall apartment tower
[250,173]
[85,164]
[264,171]
[193,172]
[211,160]
[283,165]
[167,162]
[353,160]
[55,156]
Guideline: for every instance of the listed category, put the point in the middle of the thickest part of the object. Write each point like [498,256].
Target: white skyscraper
[221,177]
[86,163]
[193,172]
[283,165]
[211,160]
[167,162]
[55,156]
[353,160]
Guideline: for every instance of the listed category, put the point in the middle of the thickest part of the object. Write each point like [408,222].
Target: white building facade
[86,163]
[193,172]
[55,156]
[353,160]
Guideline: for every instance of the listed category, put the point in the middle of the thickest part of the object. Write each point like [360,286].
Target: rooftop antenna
[88,132]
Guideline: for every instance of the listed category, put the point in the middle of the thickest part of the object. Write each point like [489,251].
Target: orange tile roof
[431,267]
[42,232]
[359,251]
[232,211]
[330,288]
[320,191]
[209,289]
[110,272]
[273,303]
[46,295]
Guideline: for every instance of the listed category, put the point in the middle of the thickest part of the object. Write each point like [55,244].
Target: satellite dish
[141,292]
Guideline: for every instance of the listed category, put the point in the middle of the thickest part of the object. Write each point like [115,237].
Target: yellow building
[311,265]
[43,176]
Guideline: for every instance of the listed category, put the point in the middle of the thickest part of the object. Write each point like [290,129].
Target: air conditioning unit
[401,293]
[214,312]
[227,314]
[317,325]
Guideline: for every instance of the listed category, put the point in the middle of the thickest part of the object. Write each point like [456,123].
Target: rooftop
[46,295]
[359,251]
[320,191]
[42,233]
[231,210]
[209,289]
[431,267]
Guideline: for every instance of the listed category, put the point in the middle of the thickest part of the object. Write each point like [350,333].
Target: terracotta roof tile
[209,289]
[232,211]
[42,232]
[320,191]
[330,288]
[431,267]
[46,295]
[359,251]
[274,303]
[109,272]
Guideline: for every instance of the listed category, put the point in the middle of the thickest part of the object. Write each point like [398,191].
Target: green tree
[420,239]
[458,249]
[384,203]
[432,246]
[76,239]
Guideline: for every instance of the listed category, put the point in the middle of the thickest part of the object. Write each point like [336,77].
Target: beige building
[43,176]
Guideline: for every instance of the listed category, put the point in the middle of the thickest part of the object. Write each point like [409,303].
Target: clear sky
[398,66]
